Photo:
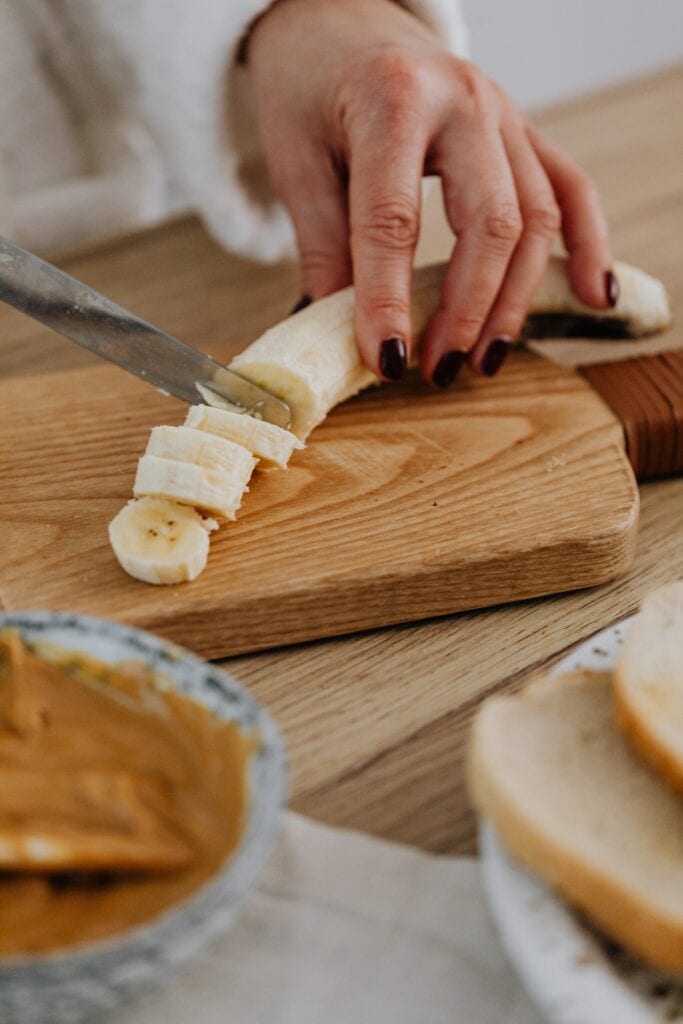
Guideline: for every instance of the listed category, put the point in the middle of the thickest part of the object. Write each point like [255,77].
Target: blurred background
[542,51]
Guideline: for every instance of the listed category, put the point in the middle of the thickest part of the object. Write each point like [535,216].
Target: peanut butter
[118,797]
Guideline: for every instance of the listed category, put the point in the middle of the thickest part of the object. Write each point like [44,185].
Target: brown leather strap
[646,395]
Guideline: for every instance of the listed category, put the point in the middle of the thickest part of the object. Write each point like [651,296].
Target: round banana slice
[158,541]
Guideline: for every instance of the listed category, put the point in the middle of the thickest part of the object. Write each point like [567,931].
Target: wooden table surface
[376,723]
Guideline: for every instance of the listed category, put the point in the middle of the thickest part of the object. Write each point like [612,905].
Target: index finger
[384,199]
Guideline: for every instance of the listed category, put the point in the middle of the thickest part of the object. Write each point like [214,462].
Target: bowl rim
[266,806]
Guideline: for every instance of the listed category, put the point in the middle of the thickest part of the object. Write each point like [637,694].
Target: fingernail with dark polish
[495,356]
[304,301]
[611,288]
[448,368]
[393,361]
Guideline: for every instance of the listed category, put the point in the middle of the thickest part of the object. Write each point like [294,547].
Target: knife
[35,287]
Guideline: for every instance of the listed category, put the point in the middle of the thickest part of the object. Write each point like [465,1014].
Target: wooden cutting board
[406,504]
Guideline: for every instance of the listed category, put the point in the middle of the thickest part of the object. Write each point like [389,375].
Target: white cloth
[114,112]
[345,929]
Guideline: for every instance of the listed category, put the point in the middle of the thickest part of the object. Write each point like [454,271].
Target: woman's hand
[357,100]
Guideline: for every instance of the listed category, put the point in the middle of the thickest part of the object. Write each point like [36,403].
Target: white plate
[572,975]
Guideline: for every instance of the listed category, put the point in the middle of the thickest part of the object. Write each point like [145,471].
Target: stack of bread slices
[581,776]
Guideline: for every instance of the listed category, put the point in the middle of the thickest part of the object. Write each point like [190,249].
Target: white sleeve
[446,18]
[197,104]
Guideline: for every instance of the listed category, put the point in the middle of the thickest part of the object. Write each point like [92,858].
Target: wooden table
[376,723]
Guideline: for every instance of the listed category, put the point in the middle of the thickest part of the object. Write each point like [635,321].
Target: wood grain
[646,395]
[406,504]
[376,723]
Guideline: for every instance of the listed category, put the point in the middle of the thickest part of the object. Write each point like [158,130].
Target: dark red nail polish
[393,361]
[611,288]
[304,301]
[495,356]
[448,368]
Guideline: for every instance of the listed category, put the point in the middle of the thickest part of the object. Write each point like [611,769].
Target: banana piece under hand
[159,541]
[311,360]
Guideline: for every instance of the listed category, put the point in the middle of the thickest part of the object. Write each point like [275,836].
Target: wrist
[280,13]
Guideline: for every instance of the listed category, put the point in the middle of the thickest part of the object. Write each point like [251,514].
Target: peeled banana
[311,362]
[159,541]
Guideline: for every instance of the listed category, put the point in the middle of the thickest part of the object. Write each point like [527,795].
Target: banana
[642,306]
[186,444]
[195,468]
[159,541]
[269,443]
[311,361]
[188,484]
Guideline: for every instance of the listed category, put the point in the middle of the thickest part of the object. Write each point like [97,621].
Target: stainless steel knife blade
[42,291]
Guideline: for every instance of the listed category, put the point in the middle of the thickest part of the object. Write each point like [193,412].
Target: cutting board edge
[591,558]
[608,556]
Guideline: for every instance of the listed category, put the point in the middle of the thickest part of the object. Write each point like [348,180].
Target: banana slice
[212,492]
[268,442]
[158,541]
[311,361]
[195,468]
[200,448]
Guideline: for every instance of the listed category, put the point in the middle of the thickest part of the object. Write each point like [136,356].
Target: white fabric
[345,929]
[114,112]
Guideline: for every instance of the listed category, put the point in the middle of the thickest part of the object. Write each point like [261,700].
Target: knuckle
[467,325]
[543,219]
[396,74]
[316,263]
[400,87]
[392,224]
[471,89]
[512,317]
[470,78]
[390,306]
[502,221]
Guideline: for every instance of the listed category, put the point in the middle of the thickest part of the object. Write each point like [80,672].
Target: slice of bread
[649,683]
[570,800]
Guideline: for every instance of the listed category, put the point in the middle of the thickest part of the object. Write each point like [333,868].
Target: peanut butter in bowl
[140,792]
[117,797]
